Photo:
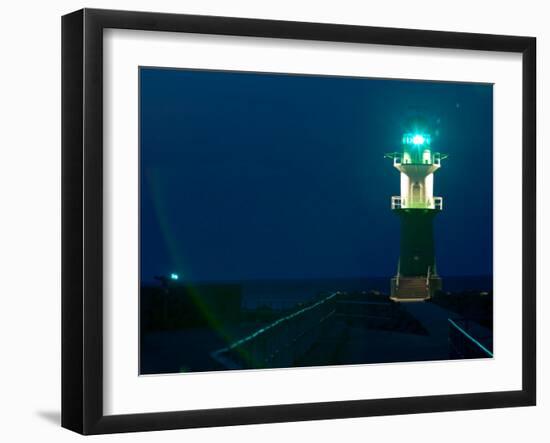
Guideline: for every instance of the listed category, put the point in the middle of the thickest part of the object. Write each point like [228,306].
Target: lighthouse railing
[397,202]
[281,342]
[397,160]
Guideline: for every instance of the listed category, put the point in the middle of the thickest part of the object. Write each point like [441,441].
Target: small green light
[174,276]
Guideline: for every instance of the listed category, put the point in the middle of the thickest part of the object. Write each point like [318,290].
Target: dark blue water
[281,294]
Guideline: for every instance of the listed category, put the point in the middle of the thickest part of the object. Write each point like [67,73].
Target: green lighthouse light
[418,139]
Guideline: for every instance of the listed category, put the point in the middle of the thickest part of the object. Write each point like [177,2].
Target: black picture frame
[82,215]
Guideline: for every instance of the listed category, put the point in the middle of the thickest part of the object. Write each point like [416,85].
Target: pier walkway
[357,329]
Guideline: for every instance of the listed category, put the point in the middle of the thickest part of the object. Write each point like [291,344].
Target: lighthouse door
[416,194]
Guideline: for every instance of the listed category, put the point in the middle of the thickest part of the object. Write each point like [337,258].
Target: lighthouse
[416,278]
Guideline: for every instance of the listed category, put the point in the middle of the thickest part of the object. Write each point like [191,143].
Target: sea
[284,294]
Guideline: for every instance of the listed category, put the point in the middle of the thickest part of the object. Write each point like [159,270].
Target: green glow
[174,276]
[161,207]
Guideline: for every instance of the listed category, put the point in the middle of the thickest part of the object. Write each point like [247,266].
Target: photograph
[266,222]
[292,220]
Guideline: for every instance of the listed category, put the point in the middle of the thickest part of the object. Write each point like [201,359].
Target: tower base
[414,288]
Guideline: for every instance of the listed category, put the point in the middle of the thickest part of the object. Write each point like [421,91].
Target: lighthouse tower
[416,277]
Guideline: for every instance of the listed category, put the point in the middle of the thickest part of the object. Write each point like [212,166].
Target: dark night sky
[247,176]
